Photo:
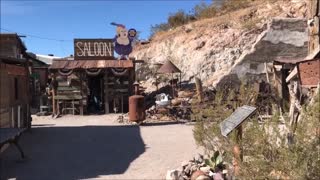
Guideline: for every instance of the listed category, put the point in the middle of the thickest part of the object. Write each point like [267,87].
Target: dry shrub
[267,155]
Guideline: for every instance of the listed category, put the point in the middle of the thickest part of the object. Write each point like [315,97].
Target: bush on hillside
[233,5]
[178,19]
[203,10]
[158,28]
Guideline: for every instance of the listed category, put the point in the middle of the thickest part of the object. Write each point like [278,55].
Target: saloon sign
[85,49]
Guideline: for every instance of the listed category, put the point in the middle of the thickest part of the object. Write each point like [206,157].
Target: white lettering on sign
[81,53]
[94,49]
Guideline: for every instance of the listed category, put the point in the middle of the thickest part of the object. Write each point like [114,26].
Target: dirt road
[97,147]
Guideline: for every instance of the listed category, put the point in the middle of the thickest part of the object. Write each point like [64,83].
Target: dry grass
[233,18]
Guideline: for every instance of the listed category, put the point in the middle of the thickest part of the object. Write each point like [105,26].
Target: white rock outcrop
[237,43]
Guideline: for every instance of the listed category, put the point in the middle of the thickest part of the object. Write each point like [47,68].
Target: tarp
[90,64]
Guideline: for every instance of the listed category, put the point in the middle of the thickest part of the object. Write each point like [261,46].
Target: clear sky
[66,20]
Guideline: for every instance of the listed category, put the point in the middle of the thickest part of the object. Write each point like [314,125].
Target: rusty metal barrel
[136,108]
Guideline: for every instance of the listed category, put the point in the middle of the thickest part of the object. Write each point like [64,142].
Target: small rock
[184,164]
[218,176]
[173,175]
[152,108]
[196,174]
[165,118]
[198,158]
[205,169]
[187,170]
[154,117]
[203,177]
[203,164]
[194,167]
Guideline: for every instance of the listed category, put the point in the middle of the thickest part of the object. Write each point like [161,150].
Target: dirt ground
[98,147]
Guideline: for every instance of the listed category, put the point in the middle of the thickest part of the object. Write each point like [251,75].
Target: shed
[14,83]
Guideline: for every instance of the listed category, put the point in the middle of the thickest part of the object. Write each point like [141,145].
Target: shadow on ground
[73,152]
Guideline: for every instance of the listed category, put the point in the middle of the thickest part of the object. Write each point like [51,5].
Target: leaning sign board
[235,119]
[93,49]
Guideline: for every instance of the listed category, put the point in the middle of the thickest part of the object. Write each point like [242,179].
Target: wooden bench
[72,99]
[11,136]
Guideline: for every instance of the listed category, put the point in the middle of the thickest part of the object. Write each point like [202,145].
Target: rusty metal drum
[136,108]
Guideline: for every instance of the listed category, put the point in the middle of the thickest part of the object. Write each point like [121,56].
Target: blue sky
[66,20]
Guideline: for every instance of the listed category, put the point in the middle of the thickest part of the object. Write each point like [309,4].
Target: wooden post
[237,150]
[157,82]
[53,84]
[81,92]
[199,89]
[172,86]
[266,69]
[106,93]
[131,81]
[180,82]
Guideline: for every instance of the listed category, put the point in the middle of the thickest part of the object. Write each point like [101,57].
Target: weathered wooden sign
[86,49]
[235,119]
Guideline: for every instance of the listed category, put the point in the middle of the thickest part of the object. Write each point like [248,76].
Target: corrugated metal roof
[88,64]
[46,59]
[169,67]
[289,60]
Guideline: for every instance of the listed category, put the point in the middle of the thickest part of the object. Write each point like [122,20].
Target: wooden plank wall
[9,46]
[9,103]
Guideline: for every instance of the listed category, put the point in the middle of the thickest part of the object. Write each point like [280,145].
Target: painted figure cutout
[123,41]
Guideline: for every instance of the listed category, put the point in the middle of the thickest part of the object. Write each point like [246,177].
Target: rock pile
[179,109]
[195,169]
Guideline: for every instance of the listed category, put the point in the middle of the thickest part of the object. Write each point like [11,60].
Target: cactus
[215,161]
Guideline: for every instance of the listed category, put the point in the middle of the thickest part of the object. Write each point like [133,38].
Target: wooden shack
[14,83]
[93,82]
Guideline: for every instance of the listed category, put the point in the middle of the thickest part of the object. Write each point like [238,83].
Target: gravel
[97,147]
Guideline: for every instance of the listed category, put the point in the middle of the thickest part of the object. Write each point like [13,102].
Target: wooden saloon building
[14,82]
[92,81]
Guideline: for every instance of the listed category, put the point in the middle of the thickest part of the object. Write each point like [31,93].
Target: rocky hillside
[212,48]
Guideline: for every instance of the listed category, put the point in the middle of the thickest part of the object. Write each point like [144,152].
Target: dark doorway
[95,97]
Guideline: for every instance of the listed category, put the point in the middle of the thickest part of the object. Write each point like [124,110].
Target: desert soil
[98,147]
